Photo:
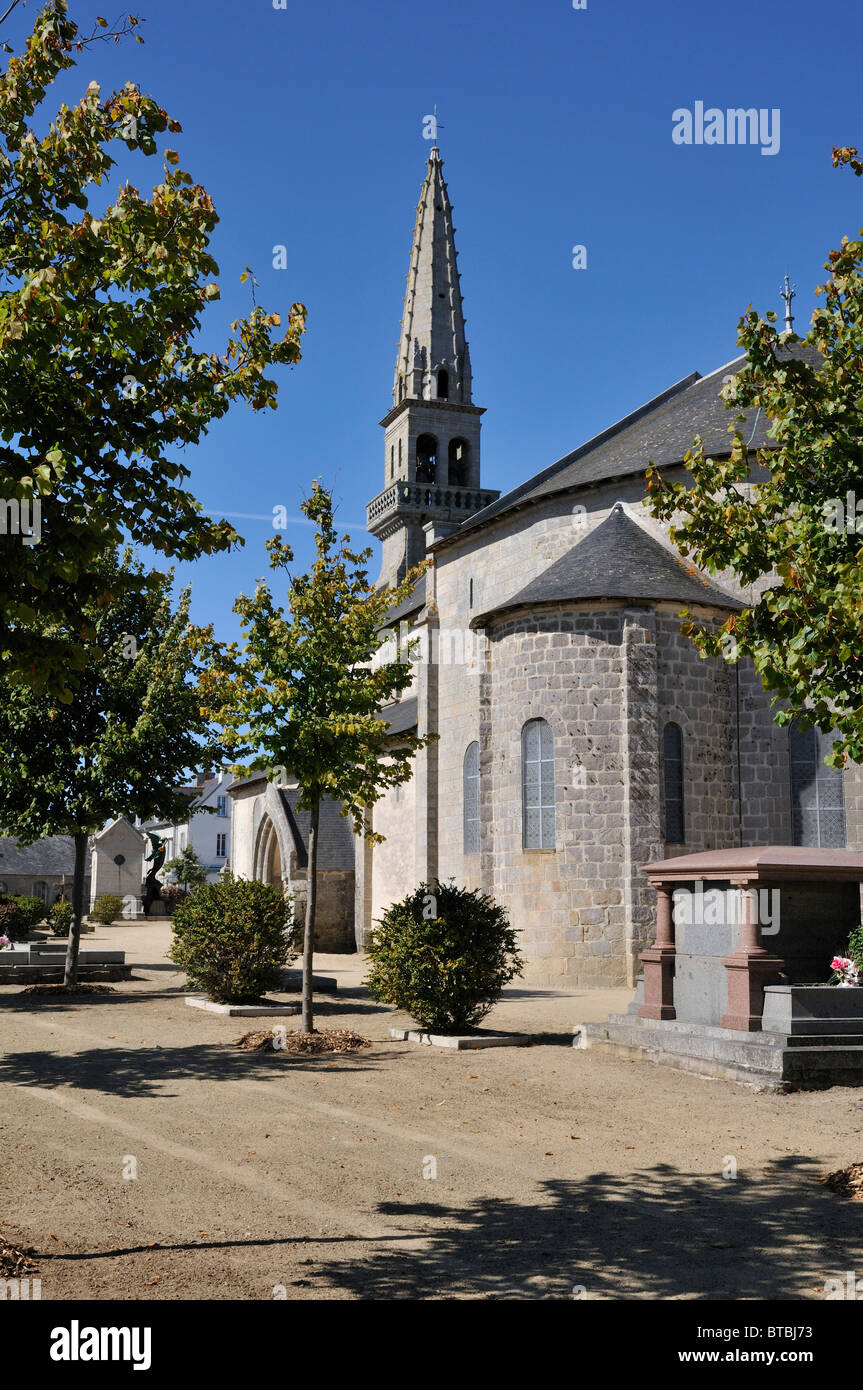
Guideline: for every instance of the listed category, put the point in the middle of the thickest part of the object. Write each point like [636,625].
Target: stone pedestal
[748,972]
[748,969]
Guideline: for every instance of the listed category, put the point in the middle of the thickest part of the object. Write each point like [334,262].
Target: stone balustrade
[413,497]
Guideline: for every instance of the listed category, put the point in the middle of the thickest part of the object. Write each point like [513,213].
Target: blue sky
[305,124]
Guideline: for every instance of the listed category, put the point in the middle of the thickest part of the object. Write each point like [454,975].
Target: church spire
[433,360]
[432,432]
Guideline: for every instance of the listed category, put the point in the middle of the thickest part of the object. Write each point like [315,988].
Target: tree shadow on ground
[63,1003]
[148,1071]
[326,1006]
[513,992]
[655,1234]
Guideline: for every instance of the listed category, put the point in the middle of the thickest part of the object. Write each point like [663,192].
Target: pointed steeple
[433,360]
[432,431]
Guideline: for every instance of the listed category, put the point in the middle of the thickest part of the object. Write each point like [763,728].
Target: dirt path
[555,1168]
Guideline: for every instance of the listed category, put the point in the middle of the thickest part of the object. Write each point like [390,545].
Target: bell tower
[432,432]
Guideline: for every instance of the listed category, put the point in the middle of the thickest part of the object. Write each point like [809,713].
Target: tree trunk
[308,1019]
[70,978]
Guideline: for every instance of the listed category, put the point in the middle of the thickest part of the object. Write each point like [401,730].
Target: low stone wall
[53,974]
[42,962]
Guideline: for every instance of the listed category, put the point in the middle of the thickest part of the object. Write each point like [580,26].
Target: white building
[208,827]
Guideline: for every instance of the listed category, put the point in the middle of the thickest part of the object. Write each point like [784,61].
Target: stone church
[580,734]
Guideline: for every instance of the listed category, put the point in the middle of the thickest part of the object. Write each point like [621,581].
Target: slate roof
[619,559]
[660,431]
[414,601]
[54,855]
[335,836]
[400,717]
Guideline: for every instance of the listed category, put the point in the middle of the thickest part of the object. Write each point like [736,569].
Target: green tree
[305,691]
[187,868]
[124,741]
[102,372]
[784,518]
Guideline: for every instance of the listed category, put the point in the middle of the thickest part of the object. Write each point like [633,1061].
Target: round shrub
[33,909]
[60,918]
[14,923]
[106,908]
[233,939]
[442,955]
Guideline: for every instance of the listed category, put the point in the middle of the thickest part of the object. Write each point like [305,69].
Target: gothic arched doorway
[268,855]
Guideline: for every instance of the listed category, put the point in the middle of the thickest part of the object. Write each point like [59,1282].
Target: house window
[672,773]
[537,785]
[221,846]
[471,799]
[221,805]
[817,791]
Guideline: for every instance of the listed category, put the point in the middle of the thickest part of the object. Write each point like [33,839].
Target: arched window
[426,459]
[817,791]
[40,890]
[537,785]
[443,384]
[3,888]
[392,460]
[471,799]
[458,457]
[672,775]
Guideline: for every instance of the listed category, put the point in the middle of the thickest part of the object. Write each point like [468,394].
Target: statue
[156,858]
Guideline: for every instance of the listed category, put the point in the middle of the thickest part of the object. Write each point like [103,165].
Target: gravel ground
[147,1157]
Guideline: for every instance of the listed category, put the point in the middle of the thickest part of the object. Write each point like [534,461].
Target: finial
[788,293]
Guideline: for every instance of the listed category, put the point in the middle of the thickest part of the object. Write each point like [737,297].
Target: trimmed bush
[60,918]
[106,908]
[14,923]
[443,955]
[34,910]
[233,939]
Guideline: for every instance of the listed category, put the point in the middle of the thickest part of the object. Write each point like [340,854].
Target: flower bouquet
[845,972]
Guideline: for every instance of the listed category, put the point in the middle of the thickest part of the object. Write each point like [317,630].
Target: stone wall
[394,871]
[334,908]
